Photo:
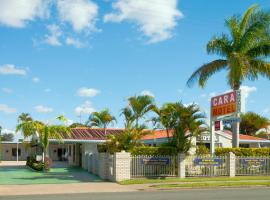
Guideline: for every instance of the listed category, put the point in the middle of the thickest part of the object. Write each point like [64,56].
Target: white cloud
[43,109]
[9,69]
[36,79]
[74,42]
[7,90]
[247,90]
[54,37]
[6,109]
[86,108]
[81,14]
[16,13]
[156,18]
[147,92]
[87,92]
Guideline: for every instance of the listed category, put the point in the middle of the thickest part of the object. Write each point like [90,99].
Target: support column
[103,166]
[212,136]
[235,134]
[231,163]
[122,165]
[181,166]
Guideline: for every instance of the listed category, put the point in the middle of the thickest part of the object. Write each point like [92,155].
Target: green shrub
[154,151]
[202,150]
[39,166]
[243,151]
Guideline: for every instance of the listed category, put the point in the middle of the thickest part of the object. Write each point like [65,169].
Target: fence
[206,166]
[249,166]
[153,166]
[123,166]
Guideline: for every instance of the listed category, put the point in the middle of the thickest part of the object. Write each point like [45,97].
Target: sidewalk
[13,190]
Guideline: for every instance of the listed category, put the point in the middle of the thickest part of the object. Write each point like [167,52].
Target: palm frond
[206,71]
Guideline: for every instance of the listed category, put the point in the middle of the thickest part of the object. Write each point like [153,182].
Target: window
[14,152]
[244,145]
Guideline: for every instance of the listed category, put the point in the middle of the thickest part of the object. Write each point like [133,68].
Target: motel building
[83,141]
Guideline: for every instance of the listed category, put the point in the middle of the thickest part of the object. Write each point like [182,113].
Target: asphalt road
[202,194]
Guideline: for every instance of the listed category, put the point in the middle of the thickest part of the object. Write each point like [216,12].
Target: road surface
[195,194]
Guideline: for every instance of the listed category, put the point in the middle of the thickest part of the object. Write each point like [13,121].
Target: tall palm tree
[243,52]
[44,132]
[138,107]
[101,119]
[24,117]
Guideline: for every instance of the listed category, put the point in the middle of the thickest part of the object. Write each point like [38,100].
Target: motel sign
[226,106]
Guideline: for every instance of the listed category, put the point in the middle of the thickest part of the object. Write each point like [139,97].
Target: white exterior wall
[224,141]
[53,150]
[6,152]
[88,148]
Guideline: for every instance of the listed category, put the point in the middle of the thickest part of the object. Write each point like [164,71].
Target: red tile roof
[91,133]
[98,134]
[157,134]
[244,137]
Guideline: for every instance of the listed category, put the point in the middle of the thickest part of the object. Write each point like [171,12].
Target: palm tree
[184,122]
[243,52]
[165,117]
[127,140]
[44,132]
[101,119]
[24,117]
[138,107]
[252,122]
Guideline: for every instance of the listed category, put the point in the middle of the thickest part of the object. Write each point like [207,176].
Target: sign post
[226,105]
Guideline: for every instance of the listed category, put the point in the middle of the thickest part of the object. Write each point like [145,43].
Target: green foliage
[243,52]
[38,165]
[183,122]
[264,135]
[125,141]
[243,151]
[252,122]
[101,119]
[77,125]
[7,137]
[138,107]
[154,151]
[44,132]
[202,150]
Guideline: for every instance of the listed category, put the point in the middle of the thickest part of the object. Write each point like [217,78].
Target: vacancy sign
[225,104]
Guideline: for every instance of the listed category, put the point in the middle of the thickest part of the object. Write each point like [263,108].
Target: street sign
[231,120]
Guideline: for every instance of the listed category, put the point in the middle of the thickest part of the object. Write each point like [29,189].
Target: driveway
[17,179]
[13,173]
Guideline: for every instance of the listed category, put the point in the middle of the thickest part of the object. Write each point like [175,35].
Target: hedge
[243,151]
[154,151]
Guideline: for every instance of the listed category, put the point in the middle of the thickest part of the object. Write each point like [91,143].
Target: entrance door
[59,154]
[80,155]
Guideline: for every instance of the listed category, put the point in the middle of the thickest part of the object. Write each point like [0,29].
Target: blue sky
[70,57]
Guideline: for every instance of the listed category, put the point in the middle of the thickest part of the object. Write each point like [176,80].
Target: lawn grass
[202,179]
[214,184]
